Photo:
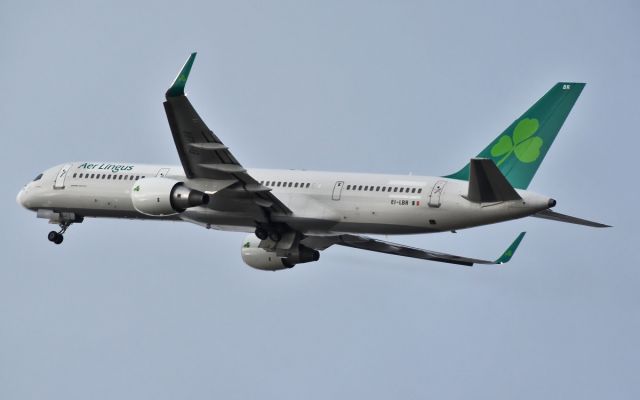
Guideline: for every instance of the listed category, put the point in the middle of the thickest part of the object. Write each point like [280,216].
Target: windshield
[37,178]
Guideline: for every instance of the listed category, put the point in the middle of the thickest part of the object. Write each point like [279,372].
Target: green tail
[520,149]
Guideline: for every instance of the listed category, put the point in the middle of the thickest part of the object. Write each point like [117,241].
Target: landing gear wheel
[55,237]
[275,236]
[261,234]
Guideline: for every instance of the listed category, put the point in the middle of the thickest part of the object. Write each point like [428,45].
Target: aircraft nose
[21,198]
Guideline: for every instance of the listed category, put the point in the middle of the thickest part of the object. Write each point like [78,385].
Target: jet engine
[159,197]
[271,260]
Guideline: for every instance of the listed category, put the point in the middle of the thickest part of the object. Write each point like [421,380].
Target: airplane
[292,215]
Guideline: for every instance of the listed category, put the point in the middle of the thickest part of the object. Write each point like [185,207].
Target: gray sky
[149,310]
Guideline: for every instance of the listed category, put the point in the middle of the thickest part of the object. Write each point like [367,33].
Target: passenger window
[360,187]
[420,190]
[137,177]
[413,190]
[377,188]
[401,190]
[290,184]
[79,176]
[395,189]
[308,184]
[296,185]
[278,184]
[384,188]
[74,175]
[348,187]
[109,176]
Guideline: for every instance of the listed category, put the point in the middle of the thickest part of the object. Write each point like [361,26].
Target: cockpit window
[37,178]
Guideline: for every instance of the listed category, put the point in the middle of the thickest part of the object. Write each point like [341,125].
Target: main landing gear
[263,234]
[57,237]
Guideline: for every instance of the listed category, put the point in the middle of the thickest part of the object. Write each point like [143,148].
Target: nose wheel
[57,237]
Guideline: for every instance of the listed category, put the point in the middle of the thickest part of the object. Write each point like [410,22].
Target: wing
[381,246]
[203,155]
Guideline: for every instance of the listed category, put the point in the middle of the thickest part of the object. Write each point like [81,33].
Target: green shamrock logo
[137,188]
[524,144]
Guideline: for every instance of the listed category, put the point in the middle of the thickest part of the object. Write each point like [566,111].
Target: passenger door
[436,192]
[59,183]
[337,190]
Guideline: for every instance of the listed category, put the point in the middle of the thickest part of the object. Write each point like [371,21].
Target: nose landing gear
[57,237]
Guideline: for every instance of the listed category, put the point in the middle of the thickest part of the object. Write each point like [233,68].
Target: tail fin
[520,149]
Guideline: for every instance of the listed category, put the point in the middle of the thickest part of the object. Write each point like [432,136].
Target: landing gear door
[337,190]
[59,183]
[436,192]
[163,172]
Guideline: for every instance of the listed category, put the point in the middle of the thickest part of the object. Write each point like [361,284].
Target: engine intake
[161,197]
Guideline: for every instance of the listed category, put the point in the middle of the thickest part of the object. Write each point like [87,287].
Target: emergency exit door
[163,172]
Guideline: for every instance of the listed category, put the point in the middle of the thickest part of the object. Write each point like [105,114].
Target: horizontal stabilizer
[554,216]
[487,184]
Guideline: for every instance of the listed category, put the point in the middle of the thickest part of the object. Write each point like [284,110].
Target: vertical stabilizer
[520,149]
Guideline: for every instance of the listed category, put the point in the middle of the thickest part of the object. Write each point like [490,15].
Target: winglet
[177,88]
[506,256]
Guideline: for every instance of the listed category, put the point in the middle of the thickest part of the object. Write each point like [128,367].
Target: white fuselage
[321,202]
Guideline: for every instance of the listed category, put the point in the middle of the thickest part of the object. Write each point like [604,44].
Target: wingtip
[177,88]
[511,250]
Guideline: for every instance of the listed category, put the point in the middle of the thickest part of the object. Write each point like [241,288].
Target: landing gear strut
[264,234]
[57,237]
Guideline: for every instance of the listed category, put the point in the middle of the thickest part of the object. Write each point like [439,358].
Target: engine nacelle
[159,197]
[256,257]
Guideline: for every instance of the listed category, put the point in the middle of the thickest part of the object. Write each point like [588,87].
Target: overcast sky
[152,310]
